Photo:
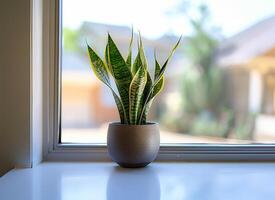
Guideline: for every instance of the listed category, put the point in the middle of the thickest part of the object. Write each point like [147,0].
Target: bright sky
[150,16]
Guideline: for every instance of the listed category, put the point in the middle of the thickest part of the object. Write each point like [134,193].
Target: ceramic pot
[133,146]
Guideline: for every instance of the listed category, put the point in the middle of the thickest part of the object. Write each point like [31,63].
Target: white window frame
[54,150]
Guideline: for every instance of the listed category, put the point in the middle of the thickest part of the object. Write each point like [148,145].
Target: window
[219,90]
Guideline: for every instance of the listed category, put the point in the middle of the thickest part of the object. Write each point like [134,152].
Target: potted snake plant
[132,142]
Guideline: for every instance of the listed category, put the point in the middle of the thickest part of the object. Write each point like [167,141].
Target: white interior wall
[37,82]
[16,85]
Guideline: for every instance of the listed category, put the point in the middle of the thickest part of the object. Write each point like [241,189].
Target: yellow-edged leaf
[136,90]
[101,72]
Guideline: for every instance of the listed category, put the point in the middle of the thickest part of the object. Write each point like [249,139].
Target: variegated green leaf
[120,72]
[136,90]
[137,64]
[149,82]
[145,113]
[154,90]
[157,67]
[101,73]
[158,86]
[129,57]
[148,85]
[107,59]
[145,95]
[142,54]
[121,111]
[98,66]
[119,67]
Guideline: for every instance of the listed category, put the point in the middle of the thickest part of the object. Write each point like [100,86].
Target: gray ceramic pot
[133,145]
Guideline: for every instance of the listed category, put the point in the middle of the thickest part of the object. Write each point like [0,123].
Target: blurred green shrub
[71,40]
[244,127]
[202,91]
[209,125]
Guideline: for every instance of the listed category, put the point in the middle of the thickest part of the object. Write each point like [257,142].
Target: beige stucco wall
[237,88]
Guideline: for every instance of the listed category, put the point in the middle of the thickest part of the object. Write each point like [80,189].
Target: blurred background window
[220,84]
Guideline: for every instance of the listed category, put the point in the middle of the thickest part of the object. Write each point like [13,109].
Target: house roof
[248,44]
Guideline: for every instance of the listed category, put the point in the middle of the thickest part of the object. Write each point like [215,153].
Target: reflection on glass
[220,85]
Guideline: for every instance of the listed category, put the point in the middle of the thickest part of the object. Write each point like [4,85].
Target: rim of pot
[147,124]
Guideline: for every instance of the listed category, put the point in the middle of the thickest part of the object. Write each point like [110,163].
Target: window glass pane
[219,85]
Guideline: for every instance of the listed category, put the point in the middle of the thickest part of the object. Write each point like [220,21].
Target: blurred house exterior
[248,59]
[86,102]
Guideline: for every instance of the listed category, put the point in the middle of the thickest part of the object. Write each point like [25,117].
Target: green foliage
[71,40]
[203,81]
[207,124]
[203,85]
[136,89]
[202,91]
[200,47]
[244,127]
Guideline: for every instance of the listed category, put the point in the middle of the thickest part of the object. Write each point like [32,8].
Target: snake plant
[136,89]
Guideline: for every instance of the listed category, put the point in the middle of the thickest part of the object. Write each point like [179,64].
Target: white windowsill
[70,181]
